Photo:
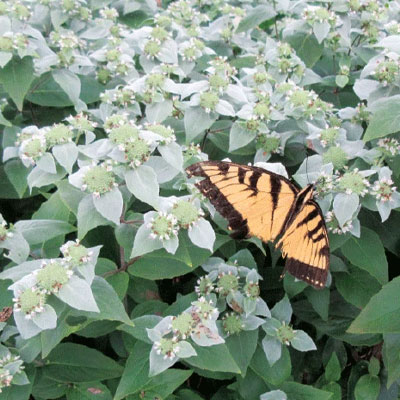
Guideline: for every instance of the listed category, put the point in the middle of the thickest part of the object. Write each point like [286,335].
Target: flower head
[99,179]
[353,182]
[33,148]
[390,147]
[334,226]
[204,286]
[183,324]
[227,283]
[383,189]
[75,253]
[167,133]
[186,213]
[137,151]
[285,334]
[52,276]
[232,323]
[204,309]
[81,122]
[30,302]
[163,226]
[58,134]
[124,133]
[168,347]
[270,143]
[329,136]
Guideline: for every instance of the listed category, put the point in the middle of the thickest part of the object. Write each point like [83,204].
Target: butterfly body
[260,203]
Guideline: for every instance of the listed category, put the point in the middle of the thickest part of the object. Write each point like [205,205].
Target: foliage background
[104,103]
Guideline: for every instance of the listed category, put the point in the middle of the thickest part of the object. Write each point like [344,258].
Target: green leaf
[16,78]
[88,217]
[275,375]
[52,337]
[164,384]
[46,387]
[307,47]
[297,391]
[302,341]
[38,231]
[71,362]
[214,358]
[160,264]
[136,372]
[45,91]
[197,121]
[374,366]
[242,348]
[367,388]
[240,136]
[136,379]
[385,119]
[255,17]
[108,302]
[17,174]
[89,391]
[119,283]
[142,183]
[4,121]
[333,369]
[342,80]
[357,287]
[274,395]
[141,324]
[391,359]
[335,389]
[319,300]
[382,313]
[367,253]
[187,394]
[69,82]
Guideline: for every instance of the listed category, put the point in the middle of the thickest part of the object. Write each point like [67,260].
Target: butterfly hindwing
[305,243]
[254,201]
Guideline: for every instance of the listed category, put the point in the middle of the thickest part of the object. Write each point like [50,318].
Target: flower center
[137,151]
[31,300]
[227,283]
[122,134]
[99,180]
[285,334]
[252,290]
[186,213]
[164,226]
[58,134]
[209,101]
[232,324]
[183,324]
[353,182]
[52,277]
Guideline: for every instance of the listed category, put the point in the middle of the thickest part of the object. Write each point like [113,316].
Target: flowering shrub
[118,278]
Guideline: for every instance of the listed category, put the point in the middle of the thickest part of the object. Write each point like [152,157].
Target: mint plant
[118,278]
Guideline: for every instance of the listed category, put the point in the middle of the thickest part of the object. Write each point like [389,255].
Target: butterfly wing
[255,201]
[305,243]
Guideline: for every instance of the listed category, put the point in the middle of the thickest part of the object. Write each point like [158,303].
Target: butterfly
[260,203]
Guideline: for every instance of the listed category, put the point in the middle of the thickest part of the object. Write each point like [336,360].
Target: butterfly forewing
[254,201]
[260,203]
